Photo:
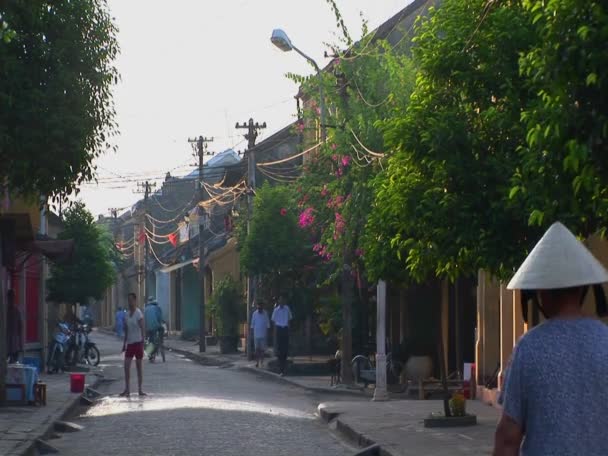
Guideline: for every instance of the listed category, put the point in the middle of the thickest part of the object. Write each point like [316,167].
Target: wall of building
[164,295]
[191,300]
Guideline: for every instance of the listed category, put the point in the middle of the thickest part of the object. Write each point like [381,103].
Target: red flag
[173,239]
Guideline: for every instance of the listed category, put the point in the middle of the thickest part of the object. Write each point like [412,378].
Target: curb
[350,434]
[202,359]
[317,390]
[48,428]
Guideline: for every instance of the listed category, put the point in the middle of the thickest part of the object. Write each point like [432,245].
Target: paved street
[193,409]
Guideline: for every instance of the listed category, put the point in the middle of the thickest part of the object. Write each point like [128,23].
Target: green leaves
[56,110]
[92,267]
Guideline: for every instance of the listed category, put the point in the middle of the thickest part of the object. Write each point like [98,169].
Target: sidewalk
[20,426]
[397,426]
[212,357]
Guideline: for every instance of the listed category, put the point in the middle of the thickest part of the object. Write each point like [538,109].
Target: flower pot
[228,344]
[419,367]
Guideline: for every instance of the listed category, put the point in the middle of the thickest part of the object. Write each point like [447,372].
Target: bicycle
[157,343]
[364,369]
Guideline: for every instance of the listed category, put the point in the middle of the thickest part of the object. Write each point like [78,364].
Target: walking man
[133,345]
[281,316]
[555,395]
[260,323]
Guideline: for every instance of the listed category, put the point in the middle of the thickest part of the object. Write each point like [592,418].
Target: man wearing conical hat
[555,394]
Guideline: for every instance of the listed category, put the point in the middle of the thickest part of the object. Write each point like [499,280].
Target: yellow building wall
[225,262]
[21,206]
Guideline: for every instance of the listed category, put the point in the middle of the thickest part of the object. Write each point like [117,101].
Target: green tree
[56,110]
[275,247]
[364,86]
[443,204]
[563,172]
[92,268]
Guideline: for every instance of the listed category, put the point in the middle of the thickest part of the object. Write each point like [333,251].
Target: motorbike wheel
[93,356]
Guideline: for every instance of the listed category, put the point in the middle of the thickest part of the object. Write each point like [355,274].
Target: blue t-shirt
[154,317]
[556,388]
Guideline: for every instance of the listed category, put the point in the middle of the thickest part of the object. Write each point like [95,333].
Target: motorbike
[58,349]
[81,349]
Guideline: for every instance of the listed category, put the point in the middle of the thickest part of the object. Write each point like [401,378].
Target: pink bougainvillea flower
[339,172]
[300,127]
[318,110]
[334,157]
[324,190]
[283,211]
[359,252]
[317,247]
[306,218]
[346,160]
[334,146]
[339,225]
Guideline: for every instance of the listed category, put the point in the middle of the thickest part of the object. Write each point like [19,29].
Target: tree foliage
[443,201]
[92,268]
[56,110]
[367,85]
[563,172]
[275,245]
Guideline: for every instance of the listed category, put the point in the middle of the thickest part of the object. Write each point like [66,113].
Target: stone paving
[193,409]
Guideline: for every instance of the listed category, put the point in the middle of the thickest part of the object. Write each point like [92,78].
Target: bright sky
[196,67]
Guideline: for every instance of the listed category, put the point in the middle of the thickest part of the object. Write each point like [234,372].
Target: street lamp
[280,39]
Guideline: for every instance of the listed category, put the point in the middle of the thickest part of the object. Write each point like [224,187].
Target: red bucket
[76,383]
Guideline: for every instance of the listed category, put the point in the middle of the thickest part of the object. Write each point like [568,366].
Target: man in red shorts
[133,345]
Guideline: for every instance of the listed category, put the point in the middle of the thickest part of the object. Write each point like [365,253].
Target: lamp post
[280,39]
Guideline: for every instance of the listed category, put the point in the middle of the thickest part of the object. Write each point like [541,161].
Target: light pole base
[380,394]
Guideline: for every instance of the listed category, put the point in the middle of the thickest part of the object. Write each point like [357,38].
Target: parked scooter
[81,349]
[57,351]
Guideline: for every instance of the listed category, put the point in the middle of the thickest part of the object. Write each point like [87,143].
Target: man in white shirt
[133,345]
[281,317]
[260,323]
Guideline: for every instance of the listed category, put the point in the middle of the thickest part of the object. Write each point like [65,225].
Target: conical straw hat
[559,260]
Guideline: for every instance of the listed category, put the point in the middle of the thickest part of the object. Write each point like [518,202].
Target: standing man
[153,316]
[555,395]
[133,345]
[281,316]
[260,323]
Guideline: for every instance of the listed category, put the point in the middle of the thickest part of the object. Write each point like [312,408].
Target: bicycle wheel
[358,364]
[93,356]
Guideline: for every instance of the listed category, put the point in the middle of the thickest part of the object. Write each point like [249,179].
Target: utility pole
[251,136]
[200,150]
[145,188]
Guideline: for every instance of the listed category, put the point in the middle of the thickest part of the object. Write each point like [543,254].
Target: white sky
[192,67]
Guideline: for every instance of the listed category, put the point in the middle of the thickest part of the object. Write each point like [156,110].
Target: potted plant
[226,305]
[418,357]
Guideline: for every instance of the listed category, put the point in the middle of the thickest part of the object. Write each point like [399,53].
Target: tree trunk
[442,369]
[347,311]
